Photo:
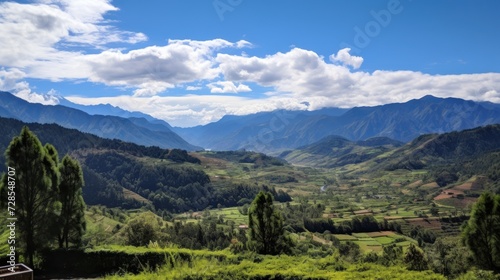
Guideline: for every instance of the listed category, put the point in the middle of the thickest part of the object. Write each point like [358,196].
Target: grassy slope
[283,267]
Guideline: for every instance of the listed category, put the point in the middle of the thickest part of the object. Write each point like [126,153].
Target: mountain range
[281,130]
[270,132]
[134,129]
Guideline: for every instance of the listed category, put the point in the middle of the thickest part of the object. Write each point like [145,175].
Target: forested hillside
[123,174]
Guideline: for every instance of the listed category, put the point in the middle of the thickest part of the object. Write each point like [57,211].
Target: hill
[447,148]
[138,131]
[284,130]
[118,173]
[334,151]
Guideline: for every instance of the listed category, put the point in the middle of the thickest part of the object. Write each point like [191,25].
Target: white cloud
[191,110]
[227,87]
[298,71]
[154,69]
[345,58]
[193,88]
[10,79]
[61,40]
[49,98]
[304,74]
[46,39]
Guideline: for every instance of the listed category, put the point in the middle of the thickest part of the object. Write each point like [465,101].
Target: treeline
[241,156]
[309,217]
[170,188]
[356,224]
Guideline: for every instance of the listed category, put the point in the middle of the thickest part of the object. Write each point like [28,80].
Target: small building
[16,272]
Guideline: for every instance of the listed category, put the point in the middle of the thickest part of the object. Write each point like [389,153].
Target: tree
[415,259]
[143,229]
[72,218]
[35,193]
[266,225]
[448,256]
[482,232]
[391,254]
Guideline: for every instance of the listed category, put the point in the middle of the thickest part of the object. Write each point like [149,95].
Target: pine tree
[72,217]
[415,259]
[482,232]
[265,224]
[35,174]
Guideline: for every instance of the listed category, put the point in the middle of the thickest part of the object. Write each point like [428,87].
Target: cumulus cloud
[298,71]
[227,87]
[61,40]
[11,81]
[46,38]
[154,69]
[303,73]
[345,58]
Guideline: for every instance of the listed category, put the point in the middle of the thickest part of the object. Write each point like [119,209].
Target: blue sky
[191,62]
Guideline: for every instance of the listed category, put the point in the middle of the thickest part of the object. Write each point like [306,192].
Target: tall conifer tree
[35,192]
[72,217]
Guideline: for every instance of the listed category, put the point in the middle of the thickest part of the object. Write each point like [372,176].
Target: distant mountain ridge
[135,130]
[110,110]
[333,151]
[281,130]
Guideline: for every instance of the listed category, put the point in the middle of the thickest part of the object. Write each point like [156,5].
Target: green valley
[187,213]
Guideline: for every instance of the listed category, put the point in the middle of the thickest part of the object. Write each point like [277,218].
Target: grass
[276,267]
[375,241]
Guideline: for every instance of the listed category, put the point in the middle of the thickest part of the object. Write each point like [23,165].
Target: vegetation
[482,232]
[71,220]
[37,189]
[171,214]
[266,226]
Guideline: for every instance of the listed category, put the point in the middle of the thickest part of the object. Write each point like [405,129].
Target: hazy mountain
[110,110]
[138,131]
[259,131]
[333,151]
[283,130]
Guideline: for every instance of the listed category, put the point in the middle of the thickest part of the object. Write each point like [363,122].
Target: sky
[190,62]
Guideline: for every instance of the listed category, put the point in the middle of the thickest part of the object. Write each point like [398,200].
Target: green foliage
[448,257]
[180,156]
[71,220]
[422,235]
[275,267]
[414,259]
[258,159]
[35,191]
[391,254]
[142,230]
[266,225]
[482,232]
[48,203]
